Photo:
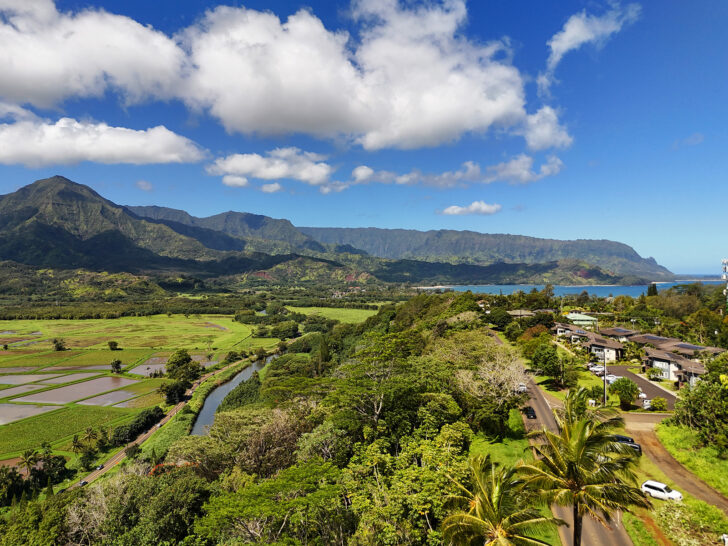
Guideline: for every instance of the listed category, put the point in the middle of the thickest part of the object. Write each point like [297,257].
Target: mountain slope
[483,249]
[236,224]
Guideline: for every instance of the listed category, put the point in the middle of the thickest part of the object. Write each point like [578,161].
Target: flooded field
[15,412]
[147,369]
[71,368]
[64,395]
[22,389]
[23,379]
[68,378]
[158,363]
[17,369]
[109,399]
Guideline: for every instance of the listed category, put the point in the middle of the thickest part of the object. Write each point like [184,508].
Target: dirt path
[644,434]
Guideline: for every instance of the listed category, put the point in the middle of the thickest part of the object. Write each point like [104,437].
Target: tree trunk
[577,525]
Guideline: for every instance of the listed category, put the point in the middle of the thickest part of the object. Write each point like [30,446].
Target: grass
[678,521]
[509,451]
[683,444]
[351,316]
[56,427]
[637,530]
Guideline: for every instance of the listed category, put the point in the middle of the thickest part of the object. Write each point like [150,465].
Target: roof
[521,313]
[653,339]
[618,332]
[606,342]
[580,316]
[689,349]
[685,364]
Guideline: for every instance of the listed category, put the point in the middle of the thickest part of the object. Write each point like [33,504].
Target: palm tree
[499,512]
[583,466]
[76,444]
[90,435]
[28,459]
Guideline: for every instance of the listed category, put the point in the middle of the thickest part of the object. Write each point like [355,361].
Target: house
[606,350]
[585,321]
[620,334]
[688,349]
[674,366]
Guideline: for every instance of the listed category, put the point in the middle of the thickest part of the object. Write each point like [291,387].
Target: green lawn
[683,444]
[56,427]
[351,316]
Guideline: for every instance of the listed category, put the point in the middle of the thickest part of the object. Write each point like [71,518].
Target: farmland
[351,316]
[74,389]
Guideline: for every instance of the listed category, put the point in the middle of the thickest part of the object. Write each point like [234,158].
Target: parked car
[82,483]
[646,404]
[612,378]
[530,413]
[626,440]
[596,368]
[660,490]
[99,467]
[521,388]
[642,396]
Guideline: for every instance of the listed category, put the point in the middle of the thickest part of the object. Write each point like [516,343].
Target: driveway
[648,387]
[641,426]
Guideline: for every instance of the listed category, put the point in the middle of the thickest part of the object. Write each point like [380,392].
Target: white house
[674,366]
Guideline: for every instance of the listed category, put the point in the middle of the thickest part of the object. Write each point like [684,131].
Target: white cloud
[543,130]
[581,29]
[144,185]
[692,140]
[271,188]
[234,181]
[47,56]
[476,207]
[36,142]
[519,170]
[281,163]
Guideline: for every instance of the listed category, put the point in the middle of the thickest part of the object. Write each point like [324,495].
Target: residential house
[584,321]
[620,334]
[606,350]
[674,366]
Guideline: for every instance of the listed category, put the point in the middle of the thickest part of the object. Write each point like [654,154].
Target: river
[207,414]
[562,290]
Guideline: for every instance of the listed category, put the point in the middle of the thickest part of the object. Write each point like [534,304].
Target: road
[641,427]
[593,533]
[121,455]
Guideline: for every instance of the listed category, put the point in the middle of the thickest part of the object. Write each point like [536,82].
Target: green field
[56,427]
[351,316]
[139,338]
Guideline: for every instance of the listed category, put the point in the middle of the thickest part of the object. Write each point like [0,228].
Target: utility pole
[725,278]
[604,354]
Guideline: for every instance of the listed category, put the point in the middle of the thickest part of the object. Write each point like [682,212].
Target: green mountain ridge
[469,247]
[58,224]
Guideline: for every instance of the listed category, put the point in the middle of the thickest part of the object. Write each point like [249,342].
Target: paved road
[118,457]
[593,533]
[648,387]
[642,428]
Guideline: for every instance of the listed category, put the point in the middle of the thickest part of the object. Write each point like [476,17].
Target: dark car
[530,413]
[82,483]
[626,440]
[99,467]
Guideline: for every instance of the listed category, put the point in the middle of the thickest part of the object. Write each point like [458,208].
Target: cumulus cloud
[519,170]
[271,188]
[542,130]
[281,163]
[476,207]
[144,185]
[47,56]
[36,142]
[234,181]
[408,79]
[582,28]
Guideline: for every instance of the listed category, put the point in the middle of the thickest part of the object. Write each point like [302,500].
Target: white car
[642,395]
[660,490]
[646,404]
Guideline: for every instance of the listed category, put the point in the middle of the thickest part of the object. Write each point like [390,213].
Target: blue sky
[553,119]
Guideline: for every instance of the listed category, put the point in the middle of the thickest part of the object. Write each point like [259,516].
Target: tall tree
[583,466]
[500,510]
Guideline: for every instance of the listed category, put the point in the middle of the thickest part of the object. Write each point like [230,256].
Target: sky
[555,119]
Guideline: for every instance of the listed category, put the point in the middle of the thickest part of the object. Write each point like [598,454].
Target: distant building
[521,313]
[620,334]
[585,321]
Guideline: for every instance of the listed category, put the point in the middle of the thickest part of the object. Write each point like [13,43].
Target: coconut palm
[499,511]
[583,466]
[28,459]
[76,444]
[89,435]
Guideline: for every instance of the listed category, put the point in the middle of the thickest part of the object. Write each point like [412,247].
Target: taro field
[49,395]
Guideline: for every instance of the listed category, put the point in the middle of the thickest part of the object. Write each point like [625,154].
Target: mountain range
[57,223]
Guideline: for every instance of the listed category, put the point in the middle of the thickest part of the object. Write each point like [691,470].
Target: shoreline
[444,286]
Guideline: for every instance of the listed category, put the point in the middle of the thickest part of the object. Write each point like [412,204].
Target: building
[674,366]
[584,321]
[620,334]
[605,349]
